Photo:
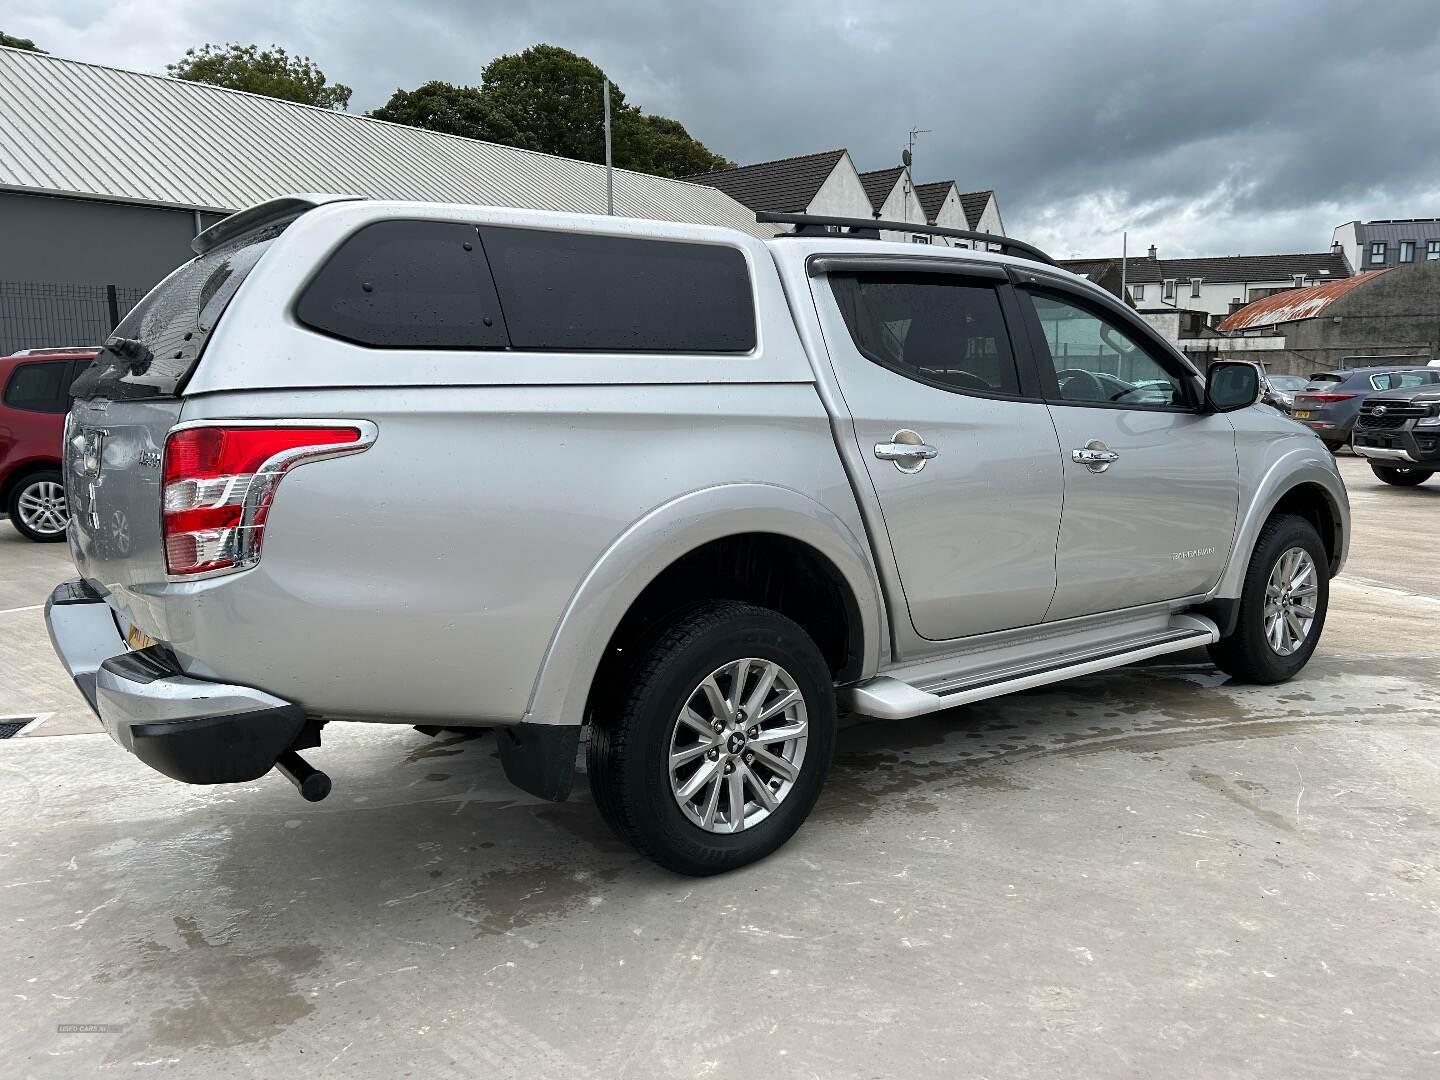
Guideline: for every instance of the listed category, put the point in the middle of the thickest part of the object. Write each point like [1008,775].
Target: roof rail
[285,208]
[866,229]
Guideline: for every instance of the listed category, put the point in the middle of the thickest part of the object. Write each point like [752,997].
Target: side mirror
[1233,384]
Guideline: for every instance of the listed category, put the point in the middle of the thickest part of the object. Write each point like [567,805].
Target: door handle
[907,450]
[1095,456]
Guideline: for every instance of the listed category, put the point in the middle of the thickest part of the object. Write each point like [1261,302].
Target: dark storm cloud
[1203,128]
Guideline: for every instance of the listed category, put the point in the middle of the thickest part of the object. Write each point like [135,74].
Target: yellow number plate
[1303,414]
[138,639]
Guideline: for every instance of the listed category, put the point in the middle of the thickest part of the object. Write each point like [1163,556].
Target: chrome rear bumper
[189,729]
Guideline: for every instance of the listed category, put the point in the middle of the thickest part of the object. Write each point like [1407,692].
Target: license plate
[1302,414]
[138,639]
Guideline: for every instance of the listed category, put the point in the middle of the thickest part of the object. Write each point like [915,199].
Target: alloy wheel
[737,745]
[42,508]
[1290,598]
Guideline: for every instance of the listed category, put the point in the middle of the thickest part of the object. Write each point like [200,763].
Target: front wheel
[37,507]
[720,740]
[1282,605]
[1400,477]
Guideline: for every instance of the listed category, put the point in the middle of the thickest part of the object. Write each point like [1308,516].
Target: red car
[34,398]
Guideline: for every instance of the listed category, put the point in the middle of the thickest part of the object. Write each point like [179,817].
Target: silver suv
[685,489]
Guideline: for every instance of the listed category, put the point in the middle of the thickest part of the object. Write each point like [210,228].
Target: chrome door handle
[1095,456]
[907,450]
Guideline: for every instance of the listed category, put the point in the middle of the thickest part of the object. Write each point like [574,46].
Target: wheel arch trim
[667,533]
[1296,469]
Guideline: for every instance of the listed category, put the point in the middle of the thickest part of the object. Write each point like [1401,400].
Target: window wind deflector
[960,267]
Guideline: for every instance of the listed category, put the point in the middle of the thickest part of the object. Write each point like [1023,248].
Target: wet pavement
[1145,871]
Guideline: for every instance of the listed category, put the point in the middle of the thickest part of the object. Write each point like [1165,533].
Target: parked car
[34,395]
[1331,400]
[470,466]
[1281,390]
[1399,432]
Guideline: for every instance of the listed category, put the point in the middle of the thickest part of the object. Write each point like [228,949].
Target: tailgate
[125,405]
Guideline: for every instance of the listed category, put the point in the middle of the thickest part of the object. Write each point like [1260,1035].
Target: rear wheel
[1400,477]
[719,739]
[37,507]
[1282,605]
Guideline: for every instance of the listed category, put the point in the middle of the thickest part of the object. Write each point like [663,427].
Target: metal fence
[44,314]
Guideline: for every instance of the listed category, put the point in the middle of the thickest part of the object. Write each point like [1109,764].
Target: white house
[1215,286]
[893,198]
[828,184]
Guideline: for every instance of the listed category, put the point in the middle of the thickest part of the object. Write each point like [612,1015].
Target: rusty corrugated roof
[1294,304]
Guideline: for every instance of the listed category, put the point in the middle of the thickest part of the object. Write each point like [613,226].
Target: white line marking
[17,610]
[33,724]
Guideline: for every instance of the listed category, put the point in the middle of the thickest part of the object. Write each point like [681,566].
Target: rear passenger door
[957,446]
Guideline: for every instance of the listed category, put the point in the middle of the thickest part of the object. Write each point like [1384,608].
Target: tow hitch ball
[312,784]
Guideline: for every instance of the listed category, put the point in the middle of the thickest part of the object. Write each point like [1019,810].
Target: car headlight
[1428,421]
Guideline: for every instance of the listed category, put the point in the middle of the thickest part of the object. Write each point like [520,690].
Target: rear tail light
[1323,399]
[219,482]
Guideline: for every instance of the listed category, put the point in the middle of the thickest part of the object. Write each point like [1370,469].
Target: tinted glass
[570,292]
[1288,382]
[38,387]
[1096,362]
[407,285]
[1323,380]
[935,328]
[157,345]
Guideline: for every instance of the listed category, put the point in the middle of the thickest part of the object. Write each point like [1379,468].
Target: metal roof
[72,128]
[1293,304]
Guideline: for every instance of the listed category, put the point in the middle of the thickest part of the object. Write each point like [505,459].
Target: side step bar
[891,699]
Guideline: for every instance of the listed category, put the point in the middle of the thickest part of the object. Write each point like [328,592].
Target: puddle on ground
[230,996]
[511,899]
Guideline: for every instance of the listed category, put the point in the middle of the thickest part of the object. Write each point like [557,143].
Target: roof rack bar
[866,228]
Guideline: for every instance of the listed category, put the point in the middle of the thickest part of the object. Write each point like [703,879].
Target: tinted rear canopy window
[156,347]
[440,285]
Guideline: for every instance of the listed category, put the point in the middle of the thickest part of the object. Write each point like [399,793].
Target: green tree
[19,43]
[272,72]
[549,99]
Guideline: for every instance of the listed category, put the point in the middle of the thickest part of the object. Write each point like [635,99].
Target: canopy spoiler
[285,208]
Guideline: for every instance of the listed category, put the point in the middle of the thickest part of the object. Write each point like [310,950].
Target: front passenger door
[1150,479]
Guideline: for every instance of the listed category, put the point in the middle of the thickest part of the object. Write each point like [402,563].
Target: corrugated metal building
[105,175]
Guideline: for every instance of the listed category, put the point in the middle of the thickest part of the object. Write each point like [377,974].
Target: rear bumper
[192,730]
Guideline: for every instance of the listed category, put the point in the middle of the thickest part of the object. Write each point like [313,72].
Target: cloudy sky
[1204,128]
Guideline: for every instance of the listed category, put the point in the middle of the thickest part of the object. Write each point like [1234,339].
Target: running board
[891,699]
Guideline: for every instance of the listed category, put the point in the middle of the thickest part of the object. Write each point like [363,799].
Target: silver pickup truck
[686,490]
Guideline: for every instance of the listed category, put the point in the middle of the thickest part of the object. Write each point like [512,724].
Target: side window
[576,292]
[38,387]
[407,284]
[935,328]
[1096,362]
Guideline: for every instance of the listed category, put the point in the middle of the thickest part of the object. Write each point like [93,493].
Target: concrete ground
[1146,872]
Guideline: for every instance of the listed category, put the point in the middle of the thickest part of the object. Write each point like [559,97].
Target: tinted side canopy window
[407,285]
[572,292]
[443,285]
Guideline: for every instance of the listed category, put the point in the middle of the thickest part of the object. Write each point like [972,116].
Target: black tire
[1400,477]
[1247,655]
[630,741]
[12,506]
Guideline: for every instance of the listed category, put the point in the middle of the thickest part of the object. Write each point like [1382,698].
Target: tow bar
[312,784]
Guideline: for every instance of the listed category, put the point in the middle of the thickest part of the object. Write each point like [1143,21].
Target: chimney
[1235,305]
[1152,251]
